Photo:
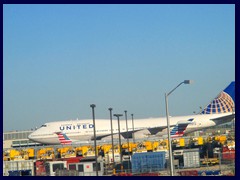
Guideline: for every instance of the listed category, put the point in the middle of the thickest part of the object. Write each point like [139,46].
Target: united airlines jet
[219,111]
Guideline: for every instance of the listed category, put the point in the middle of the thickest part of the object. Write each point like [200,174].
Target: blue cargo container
[148,162]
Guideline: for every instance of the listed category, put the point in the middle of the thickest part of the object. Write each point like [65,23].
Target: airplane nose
[30,136]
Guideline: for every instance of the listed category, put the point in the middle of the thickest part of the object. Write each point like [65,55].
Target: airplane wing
[155,130]
[124,134]
[128,134]
[224,119]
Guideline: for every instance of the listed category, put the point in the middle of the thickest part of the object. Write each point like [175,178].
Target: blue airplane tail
[224,102]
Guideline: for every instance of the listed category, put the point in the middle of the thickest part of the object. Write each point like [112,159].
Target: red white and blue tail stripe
[179,129]
[63,138]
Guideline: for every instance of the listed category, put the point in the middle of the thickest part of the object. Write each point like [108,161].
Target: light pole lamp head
[110,109]
[188,81]
[92,105]
[117,115]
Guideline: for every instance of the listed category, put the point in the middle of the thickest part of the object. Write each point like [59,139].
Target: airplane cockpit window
[44,125]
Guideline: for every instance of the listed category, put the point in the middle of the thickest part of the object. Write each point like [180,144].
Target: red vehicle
[40,165]
[228,154]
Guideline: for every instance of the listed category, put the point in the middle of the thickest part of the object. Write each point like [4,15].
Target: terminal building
[15,139]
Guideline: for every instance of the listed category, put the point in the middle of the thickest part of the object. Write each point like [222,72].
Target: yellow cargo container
[200,140]
[106,148]
[67,152]
[46,153]
[82,150]
[148,145]
[30,152]
[15,154]
[181,142]
[155,145]
[222,139]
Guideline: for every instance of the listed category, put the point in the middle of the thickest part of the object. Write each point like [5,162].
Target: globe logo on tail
[221,104]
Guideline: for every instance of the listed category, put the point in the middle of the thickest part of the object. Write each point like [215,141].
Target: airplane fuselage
[82,130]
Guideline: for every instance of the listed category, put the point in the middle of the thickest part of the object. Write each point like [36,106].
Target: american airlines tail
[180,128]
[63,139]
[224,102]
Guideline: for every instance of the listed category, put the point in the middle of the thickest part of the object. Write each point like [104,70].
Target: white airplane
[219,111]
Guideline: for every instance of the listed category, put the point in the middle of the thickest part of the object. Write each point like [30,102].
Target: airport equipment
[52,166]
[82,150]
[18,168]
[66,152]
[148,162]
[46,153]
[187,158]
[191,158]
[132,147]
[22,154]
[6,155]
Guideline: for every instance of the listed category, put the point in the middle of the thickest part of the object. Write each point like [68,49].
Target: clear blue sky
[59,59]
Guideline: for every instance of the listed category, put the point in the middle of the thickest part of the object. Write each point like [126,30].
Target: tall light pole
[94,131]
[233,121]
[119,136]
[110,109]
[133,136]
[168,126]
[127,130]
[127,136]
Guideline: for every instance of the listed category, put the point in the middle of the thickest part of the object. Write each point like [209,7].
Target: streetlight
[168,125]
[110,109]
[119,136]
[133,136]
[95,143]
[127,136]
